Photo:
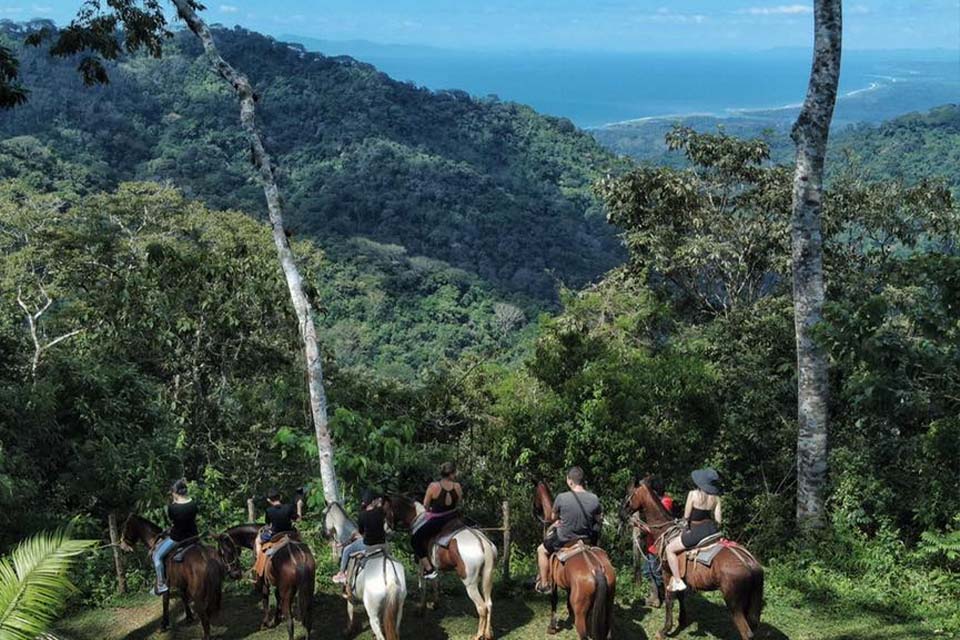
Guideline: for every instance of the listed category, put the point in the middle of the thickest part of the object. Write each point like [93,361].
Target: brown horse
[291,572]
[198,578]
[734,571]
[470,554]
[588,578]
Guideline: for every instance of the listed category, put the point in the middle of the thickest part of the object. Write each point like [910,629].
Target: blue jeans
[349,550]
[159,554]
[652,570]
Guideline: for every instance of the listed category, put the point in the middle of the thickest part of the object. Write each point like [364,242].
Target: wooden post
[117,556]
[251,511]
[506,541]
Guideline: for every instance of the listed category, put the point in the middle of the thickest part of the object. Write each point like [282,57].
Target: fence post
[506,541]
[251,511]
[117,556]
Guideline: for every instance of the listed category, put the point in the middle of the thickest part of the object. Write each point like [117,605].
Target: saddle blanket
[575,549]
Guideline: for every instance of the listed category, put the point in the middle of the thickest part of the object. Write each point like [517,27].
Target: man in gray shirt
[576,516]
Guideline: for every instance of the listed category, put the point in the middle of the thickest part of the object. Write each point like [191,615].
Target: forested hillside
[443,175]
[911,147]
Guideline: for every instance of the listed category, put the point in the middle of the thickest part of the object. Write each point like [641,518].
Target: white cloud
[11,10]
[783,9]
[859,8]
[42,9]
[228,8]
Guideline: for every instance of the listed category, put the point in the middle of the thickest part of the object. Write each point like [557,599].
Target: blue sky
[623,25]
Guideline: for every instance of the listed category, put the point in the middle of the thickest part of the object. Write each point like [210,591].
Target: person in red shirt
[651,566]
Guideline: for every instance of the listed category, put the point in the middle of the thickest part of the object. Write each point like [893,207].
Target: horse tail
[306,584]
[599,612]
[392,605]
[209,588]
[489,564]
[755,604]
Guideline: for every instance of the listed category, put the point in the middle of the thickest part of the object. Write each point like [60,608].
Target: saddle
[355,564]
[176,554]
[570,551]
[450,529]
[278,541]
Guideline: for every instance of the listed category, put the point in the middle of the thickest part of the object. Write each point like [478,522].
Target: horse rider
[279,518]
[371,531]
[441,501]
[703,515]
[182,513]
[651,565]
[577,515]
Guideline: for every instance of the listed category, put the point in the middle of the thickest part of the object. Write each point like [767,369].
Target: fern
[34,583]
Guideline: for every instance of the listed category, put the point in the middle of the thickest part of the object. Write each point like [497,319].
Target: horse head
[401,511]
[337,525]
[542,503]
[137,529]
[229,555]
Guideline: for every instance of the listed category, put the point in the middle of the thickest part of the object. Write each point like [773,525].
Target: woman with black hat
[370,525]
[703,515]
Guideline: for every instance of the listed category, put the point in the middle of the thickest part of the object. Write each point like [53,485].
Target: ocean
[596,89]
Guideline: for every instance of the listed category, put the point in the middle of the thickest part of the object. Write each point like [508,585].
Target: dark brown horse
[198,578]
[588,578]
[734,571]
[291,571]
[470,554]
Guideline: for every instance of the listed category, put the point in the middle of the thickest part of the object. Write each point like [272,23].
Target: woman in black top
[370,525]
[442,501]
[182,513]
[703,514]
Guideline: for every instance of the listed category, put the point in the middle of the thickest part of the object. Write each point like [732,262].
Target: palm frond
[34,583]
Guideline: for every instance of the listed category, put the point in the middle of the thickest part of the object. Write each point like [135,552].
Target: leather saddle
[570,551]
[178,552]
[278,541]
[357,561]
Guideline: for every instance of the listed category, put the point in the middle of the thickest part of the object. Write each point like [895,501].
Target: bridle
[233,566]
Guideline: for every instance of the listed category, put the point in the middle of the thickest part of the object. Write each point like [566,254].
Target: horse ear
[631,485]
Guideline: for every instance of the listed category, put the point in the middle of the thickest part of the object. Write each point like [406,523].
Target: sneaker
[677,584]
[160,589]
[431,575]
[339,578]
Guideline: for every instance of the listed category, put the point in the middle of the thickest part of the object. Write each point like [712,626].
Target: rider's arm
[459,491]
[428,496]
[688,507]
[717,515]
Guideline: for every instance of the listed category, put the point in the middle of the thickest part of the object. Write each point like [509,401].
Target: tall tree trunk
[810,135]
[261,160]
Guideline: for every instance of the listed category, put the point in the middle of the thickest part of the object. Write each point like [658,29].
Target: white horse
[381,584]
[469,553]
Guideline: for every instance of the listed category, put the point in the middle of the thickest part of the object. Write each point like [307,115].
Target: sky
[588,25]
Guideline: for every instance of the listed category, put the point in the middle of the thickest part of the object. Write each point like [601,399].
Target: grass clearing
[518,615]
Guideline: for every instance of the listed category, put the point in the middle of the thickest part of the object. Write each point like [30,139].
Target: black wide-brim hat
[708,481]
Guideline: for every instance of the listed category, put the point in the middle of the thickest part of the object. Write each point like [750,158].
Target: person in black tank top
[279,517]
[703,515]
[442,502]
[182,513]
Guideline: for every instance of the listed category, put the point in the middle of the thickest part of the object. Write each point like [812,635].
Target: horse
[588,578]
[381,583]
[291,571]
[198,578]
[470,554]
[734,571]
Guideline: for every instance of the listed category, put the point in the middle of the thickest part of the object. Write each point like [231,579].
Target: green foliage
[34,583]
[443,175]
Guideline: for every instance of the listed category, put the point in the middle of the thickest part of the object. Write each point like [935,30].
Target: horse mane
[656,498]
[147,523]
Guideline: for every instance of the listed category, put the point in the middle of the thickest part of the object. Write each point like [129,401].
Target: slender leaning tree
[93,36]
[810,134]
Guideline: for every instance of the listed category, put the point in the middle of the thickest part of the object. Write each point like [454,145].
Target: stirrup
[541,587]
[433,574]
[676,584]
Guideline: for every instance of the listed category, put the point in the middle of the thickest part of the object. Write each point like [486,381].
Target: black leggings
[426,532]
